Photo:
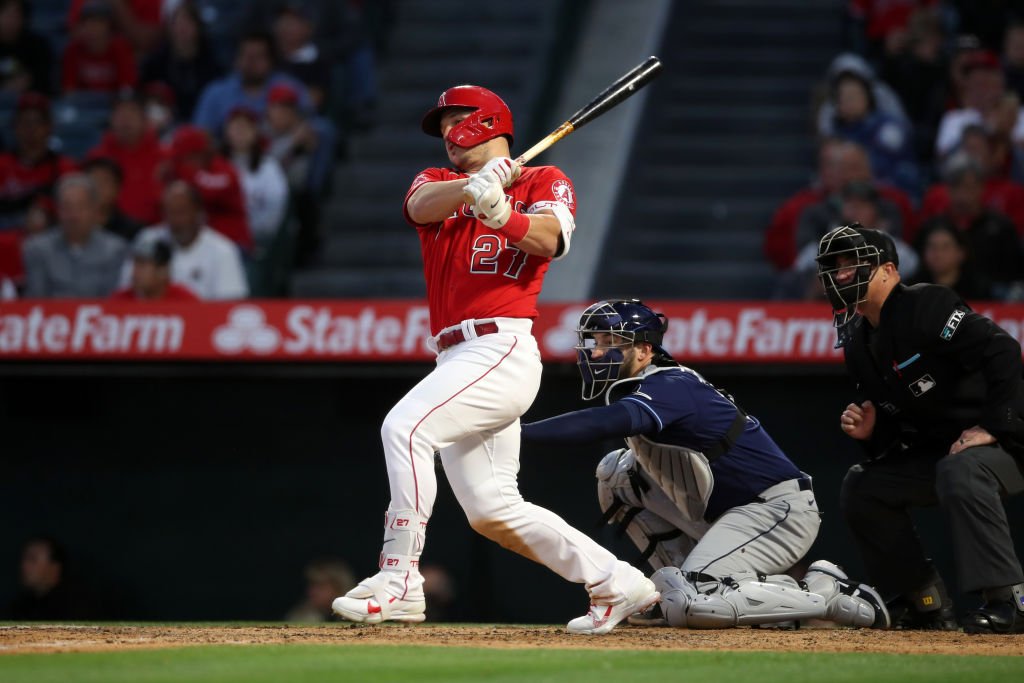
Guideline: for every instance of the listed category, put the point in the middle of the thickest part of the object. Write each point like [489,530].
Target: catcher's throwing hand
[858,420]
[504,169]
[973,436]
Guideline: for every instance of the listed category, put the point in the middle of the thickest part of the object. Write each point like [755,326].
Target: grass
[382,664]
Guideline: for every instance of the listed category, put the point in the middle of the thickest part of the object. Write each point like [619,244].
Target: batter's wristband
[516,227]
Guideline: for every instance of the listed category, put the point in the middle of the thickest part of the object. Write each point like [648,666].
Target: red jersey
[140,191]
[223,198]
[999,194]
[174,292]
[145,11]
[109,71]
[471,270]
[21,186]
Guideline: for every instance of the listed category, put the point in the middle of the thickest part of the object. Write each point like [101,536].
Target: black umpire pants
[877,496]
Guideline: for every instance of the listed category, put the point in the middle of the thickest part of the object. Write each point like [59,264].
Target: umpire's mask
[848,257]
[628,321]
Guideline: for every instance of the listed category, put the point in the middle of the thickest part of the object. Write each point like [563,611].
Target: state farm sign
[320,330]
[393,331]
[87,330]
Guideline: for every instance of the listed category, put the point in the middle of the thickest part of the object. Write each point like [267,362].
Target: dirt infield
[64,638]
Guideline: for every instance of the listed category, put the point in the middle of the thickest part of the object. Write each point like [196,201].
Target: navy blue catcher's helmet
[629,321]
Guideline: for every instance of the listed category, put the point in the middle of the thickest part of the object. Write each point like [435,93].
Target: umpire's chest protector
[912,367]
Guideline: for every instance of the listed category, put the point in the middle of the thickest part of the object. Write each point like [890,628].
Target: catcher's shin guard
[745,600]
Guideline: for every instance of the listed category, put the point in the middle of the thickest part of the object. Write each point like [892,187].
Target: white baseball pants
[468,408]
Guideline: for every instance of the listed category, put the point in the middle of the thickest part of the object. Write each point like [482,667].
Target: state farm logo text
[90,329]
[747,333]
[318,330]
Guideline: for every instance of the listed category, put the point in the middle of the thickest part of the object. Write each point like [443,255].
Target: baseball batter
[714,504]
[488,231]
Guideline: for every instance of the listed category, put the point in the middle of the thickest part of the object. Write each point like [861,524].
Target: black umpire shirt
[933,367]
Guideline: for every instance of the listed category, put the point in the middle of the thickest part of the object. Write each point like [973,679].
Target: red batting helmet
[490,119]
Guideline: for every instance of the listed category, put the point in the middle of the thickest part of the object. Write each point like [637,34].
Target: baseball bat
[614,94]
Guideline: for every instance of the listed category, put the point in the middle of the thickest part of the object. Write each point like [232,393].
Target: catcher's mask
[848,258]
[628,321]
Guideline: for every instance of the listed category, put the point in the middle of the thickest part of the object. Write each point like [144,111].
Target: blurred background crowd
[195,138]
[239,149]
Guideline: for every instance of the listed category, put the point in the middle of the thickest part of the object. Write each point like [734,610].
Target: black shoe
[995,617]
[906,618]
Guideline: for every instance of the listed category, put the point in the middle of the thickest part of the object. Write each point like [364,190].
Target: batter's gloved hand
[504,169]
[489,202]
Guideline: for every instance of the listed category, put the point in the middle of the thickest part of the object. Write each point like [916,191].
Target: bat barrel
[615,93]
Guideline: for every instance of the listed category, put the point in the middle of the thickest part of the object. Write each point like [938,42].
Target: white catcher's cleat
[370,603]
[603,618]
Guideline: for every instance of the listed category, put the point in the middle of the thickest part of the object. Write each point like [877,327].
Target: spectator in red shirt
[884,22]
[151,274]
[999,194]
[194,160]
[29,173]
[136,149]
[839,163]
[97,59]
[991,237]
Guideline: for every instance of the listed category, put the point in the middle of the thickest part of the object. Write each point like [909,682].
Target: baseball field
[255,653]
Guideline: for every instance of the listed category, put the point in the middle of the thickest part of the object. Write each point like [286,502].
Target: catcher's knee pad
[620,489]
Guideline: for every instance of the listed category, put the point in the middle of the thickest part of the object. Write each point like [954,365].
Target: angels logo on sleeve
[562,189]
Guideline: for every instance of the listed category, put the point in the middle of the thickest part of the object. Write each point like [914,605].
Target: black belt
[449,339]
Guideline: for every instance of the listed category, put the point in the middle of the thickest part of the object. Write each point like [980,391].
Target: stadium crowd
[920,133]
[184,144]
[108,102]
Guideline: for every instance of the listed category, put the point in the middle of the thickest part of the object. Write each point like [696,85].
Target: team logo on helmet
[562,189]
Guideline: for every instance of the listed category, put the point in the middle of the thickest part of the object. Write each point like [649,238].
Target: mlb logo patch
[922,385]
[950,327]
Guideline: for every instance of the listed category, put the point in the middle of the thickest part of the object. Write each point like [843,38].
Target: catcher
[715,506]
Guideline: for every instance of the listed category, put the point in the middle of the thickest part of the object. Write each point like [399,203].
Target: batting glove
[504,169]
[489,202]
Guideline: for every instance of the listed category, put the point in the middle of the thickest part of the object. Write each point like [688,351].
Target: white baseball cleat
[370,603]
[603,618]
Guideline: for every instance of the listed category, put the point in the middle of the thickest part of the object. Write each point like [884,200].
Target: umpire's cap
[883,242]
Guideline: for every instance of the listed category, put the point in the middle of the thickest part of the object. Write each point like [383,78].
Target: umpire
[940,418]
